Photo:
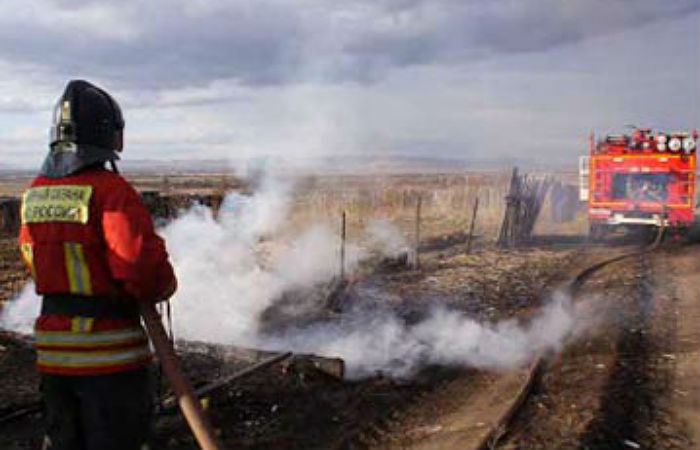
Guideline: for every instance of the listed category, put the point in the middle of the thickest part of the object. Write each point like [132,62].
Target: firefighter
[90,245]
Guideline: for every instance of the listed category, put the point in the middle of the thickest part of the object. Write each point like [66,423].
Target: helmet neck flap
[86,130]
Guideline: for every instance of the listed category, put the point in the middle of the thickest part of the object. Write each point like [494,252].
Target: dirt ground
[633,383]
[285,408]
[681,273]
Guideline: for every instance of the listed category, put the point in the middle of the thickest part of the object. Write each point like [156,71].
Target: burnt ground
[583,401]
[621,387]
[285,408]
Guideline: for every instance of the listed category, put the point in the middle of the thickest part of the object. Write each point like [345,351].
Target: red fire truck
[639,179]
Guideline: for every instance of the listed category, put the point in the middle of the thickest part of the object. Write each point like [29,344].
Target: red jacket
[88,236]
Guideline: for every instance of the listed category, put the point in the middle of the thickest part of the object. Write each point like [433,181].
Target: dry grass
[446,202]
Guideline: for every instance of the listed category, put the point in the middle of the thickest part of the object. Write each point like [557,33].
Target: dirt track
[633,383]
[678,289]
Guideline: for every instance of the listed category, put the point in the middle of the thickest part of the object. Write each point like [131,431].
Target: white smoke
[19,313]
[226,280]
[313,257]
[386,238]
[263,213]
[226,285]
[231,270]
[371,342]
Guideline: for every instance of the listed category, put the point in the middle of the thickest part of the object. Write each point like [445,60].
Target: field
[424,344]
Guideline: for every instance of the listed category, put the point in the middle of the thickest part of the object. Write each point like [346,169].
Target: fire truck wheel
[598,232]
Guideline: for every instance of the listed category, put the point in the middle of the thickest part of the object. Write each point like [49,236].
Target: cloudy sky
[473,79]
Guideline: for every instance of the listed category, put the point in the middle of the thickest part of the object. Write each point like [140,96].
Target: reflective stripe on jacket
[74,345]
[88,236]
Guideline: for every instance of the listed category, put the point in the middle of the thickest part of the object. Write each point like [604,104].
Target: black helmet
[87,129]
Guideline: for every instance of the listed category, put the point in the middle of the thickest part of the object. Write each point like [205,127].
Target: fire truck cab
[639,179]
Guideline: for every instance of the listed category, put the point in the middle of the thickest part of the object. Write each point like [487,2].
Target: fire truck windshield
[640,186]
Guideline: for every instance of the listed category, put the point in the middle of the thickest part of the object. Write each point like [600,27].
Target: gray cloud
[510,26]
[463,78]
[168,44]
[458,31]
[159,44]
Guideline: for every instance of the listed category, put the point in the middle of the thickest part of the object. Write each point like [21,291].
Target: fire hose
[189,405]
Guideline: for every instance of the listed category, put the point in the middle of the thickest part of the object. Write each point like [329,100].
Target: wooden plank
[334,367]
[209,388]
[14,415]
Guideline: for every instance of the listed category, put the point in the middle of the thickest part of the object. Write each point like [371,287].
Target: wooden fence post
[471,226]
[342,247]
[416,260]
[523,204]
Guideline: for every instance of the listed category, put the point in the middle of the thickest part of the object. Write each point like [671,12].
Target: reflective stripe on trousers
[71,359]
[79,348]
[84,338]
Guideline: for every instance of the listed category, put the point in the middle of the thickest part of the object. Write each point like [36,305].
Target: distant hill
[341,165]
[328,165]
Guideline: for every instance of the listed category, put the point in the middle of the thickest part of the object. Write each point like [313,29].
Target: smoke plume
[228,278]
[370,342]
[19,313]
[231,271]
[386,238]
